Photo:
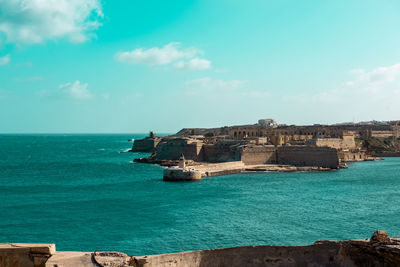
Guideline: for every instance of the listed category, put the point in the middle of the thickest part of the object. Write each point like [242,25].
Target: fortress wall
[348,141]
[220,153]
[256,155]
[326,142]
[396,131]
[381,134]
[308,156]
[349,156]
[173,149]
[145,145]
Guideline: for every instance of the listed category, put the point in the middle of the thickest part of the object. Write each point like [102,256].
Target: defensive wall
[346,142]
[256,154]
[353,156]
[248,153]
[147,144]
[308,156]
[172,148]
[302,132]
[222,151]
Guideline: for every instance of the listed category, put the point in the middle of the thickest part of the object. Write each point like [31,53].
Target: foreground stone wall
[308,156]
[25,255]
[380,250]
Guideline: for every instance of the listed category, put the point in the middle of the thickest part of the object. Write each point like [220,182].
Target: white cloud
[186,59]
[373,94]
[35,21]
[376,76]
[76,90]
[105,96]
[193,64]
[5,60]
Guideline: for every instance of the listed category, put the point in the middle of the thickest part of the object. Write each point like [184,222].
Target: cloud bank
[35,21]
[76,90]
[5,60]
[370,94]
[183,59]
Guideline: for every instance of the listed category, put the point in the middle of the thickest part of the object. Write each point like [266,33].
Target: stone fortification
[326,146]
[147,144]
[222,151]
[353,156]
[345,143]
[258,154]
[308,156]
[172,148]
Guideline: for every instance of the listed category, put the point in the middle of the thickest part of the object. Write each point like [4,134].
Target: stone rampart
[346,142]
[145,145]
[172,149]
[221,152]
[253,155]
[382,134]
[308,156]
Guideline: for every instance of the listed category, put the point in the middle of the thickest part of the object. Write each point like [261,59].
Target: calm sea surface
[82,193]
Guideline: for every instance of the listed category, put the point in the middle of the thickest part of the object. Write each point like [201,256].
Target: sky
[131,66]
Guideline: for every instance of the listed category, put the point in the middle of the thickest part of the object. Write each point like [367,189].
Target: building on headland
[268,143]
[147,144]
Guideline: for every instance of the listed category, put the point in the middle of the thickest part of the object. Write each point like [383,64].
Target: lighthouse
[181,164]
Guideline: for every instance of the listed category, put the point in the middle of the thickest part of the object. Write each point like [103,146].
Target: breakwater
[199,171]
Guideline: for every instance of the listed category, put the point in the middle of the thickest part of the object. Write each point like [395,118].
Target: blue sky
[91,66]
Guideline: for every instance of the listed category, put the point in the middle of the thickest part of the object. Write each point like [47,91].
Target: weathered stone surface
[380,250]
[22,254]
[380,236]
[112,259]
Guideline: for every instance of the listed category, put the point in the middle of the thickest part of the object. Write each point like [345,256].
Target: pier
[197,172]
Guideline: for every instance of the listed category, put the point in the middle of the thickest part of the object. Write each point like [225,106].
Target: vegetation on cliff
[379,145]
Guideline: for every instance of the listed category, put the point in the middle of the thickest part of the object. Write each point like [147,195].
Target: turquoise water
[79,192]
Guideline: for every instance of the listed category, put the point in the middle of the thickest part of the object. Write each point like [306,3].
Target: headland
[194,153]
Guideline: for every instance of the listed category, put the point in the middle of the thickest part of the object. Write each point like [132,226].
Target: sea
[83,192]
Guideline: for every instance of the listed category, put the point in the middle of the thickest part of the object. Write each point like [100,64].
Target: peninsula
[193,153]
